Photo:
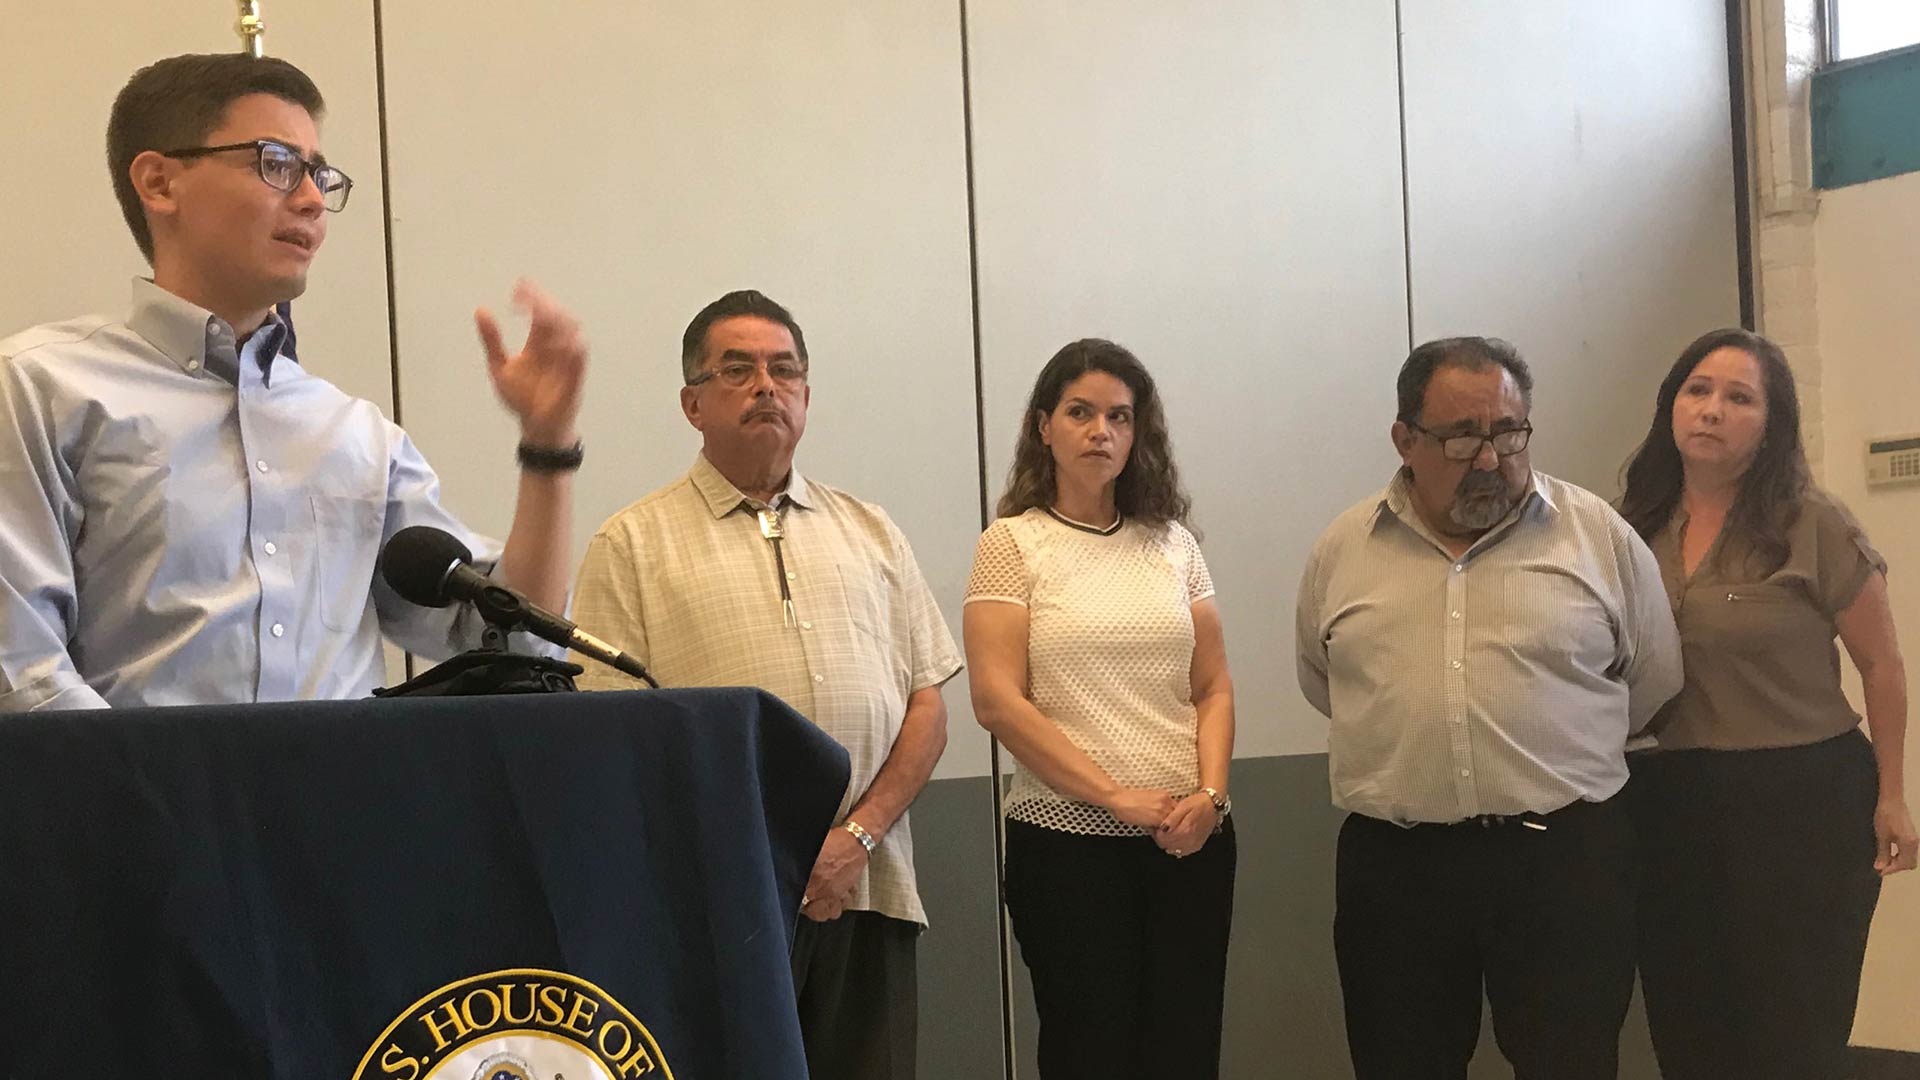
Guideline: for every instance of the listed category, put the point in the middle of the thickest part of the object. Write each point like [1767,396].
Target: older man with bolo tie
[1485,639]
[745,573]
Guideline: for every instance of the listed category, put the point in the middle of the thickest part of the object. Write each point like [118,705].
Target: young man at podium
[187,515]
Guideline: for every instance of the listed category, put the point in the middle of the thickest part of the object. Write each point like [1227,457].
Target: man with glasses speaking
[187,516]
[745,573]
[1485,639]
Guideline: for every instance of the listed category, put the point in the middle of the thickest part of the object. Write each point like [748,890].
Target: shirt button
[806,626]
[193,365]
[819,678]
[1456,665]
[261,465]
[270,548]
[1453,614]
[1466,772]
[791,576]
[1457,567]
[279,630]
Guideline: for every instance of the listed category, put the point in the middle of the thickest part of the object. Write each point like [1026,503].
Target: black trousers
[1127,947]
[1538,910]
[857,981]
[1758,893]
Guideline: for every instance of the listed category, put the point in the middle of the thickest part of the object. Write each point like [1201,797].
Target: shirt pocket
[880,655]
[1552,617]
[346,531]
[862,595]
[1754,619]
[123,481]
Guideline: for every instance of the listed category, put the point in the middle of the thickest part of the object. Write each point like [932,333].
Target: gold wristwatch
[1222,804]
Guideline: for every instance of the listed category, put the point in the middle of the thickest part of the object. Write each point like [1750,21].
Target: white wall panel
[1570,180]
[1870,366]
[1217,187]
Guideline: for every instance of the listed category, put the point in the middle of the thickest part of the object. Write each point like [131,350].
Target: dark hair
[693,343]
[177,102]
[1768,502]
[1471,353]
[1148,489]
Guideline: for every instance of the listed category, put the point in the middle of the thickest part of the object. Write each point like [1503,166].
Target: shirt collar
[1397,501]
[723,498]
[193,337]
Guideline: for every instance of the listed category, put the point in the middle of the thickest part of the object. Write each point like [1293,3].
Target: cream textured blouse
[1109,652]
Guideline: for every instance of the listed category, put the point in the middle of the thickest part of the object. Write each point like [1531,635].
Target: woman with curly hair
[1767,819]
[1097,659]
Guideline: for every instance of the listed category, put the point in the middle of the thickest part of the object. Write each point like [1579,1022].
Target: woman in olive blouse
[1767,819]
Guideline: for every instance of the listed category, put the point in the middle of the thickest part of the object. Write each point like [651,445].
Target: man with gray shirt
[1485,639]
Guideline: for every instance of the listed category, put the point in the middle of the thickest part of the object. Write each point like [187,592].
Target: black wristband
[546,460]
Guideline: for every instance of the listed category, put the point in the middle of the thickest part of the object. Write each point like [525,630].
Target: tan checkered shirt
[684,581]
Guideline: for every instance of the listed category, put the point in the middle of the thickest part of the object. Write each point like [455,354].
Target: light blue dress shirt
[185,519]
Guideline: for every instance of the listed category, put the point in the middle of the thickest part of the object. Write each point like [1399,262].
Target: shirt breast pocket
[123,479]
[863,596]
[1553,616]
[882,657]
[346,529]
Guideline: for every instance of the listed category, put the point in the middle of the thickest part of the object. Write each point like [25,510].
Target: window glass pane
[1863,27]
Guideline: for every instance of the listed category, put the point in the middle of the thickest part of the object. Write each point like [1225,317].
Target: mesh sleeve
[1199,580]
[999,569]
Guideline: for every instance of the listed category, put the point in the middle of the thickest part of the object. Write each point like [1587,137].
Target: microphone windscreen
[417,562]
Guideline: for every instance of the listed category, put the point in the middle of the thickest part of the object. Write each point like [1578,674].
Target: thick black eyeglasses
[282,167]
[1467,447]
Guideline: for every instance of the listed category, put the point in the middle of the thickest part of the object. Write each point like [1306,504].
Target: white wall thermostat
[1894,459]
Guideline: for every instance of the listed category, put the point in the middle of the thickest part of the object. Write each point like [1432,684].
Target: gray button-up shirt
[188,519]
[1502,681]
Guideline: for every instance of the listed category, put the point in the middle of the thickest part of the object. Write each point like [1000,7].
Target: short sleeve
[999,569]
[934,657]
[1199,580]
[1843,557]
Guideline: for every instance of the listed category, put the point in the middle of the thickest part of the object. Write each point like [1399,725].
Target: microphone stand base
[489,671]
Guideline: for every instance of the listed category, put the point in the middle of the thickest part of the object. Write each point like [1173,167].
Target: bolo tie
[771,528]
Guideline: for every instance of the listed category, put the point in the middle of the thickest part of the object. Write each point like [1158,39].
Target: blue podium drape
[261,891]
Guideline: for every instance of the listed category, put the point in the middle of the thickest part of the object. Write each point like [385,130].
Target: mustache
[1480,484]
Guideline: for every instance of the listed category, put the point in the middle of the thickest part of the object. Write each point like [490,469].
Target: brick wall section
[1783,39]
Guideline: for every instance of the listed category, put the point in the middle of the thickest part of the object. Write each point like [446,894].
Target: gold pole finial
[252,29]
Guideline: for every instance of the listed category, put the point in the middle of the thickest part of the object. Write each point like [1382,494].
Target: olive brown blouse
[1762,668]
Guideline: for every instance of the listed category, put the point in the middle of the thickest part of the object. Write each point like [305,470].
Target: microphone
[432,568]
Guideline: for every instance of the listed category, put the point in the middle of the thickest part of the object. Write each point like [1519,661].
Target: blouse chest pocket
[1755,618]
